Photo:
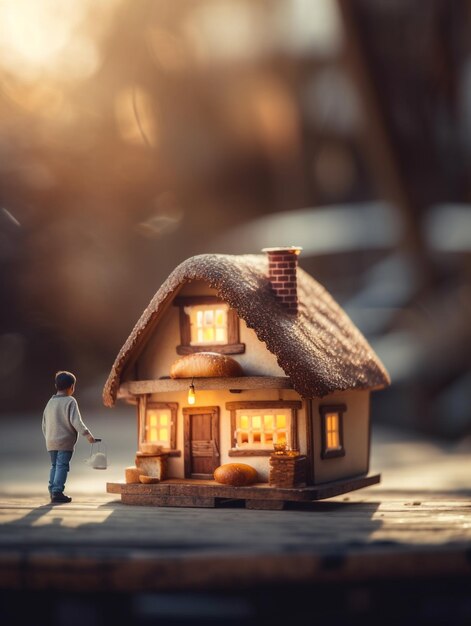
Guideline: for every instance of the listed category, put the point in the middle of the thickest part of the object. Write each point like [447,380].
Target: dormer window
[208,324]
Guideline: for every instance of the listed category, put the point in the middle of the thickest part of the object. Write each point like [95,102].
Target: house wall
[356,426]
[160,352]
[219,398]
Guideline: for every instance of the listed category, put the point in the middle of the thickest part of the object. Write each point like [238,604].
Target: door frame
[200,410]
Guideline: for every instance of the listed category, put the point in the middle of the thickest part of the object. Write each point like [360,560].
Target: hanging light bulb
[191,393]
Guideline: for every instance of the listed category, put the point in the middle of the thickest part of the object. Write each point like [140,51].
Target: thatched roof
[320,349]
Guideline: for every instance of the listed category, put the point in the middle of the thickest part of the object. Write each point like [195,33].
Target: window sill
[161,453]
[251,452]
[332,454]
[233,348]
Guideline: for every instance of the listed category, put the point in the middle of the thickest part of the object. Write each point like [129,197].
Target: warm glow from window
[262,428]
[244,422]
[208,323]
[157,427]
[332,431]
[281,421]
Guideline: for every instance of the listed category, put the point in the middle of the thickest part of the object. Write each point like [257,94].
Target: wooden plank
[233,328]
[180,501]
[201,448]
[253,452]
[233,428]
[233,348]
[264,404]
[204,490]
[141,419]
[185,328]
[260,491]
[336,488]
[186,444]
[215,435]
[139,387]
[114,487]
[294,429]
[309,441]
[102,545]
[137,488]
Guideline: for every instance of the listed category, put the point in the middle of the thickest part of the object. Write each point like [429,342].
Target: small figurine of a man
[61,425]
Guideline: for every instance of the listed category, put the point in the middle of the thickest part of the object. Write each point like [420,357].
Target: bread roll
[235,474]
[205,365]
[148,480]
[132,475]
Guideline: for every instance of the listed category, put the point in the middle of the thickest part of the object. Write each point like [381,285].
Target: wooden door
[201,441]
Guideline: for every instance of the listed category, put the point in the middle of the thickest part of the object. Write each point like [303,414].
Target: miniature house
[246,359]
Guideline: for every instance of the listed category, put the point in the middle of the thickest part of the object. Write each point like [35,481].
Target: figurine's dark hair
[64,380]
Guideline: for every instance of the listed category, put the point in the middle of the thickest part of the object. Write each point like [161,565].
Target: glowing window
[261,429]
[332,430]
[157,427]
[158,424]
[208,324]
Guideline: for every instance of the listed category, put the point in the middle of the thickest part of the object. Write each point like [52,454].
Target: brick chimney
[282,264]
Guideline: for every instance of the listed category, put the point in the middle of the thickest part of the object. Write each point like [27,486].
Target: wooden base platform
[208,494]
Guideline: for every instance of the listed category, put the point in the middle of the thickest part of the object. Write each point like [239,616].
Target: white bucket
[98,459]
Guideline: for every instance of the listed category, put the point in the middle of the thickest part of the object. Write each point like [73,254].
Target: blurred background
[134,134]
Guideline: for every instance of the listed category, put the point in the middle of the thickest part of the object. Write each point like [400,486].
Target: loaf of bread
[132,475]
[148,480]
[235,474]
[205,365]
[149,465]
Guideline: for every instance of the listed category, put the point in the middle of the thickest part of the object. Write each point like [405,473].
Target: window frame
[145,404]
[233,345]
[324,409]
[233,407]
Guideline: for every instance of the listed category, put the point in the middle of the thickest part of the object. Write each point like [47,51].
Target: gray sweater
[62,422]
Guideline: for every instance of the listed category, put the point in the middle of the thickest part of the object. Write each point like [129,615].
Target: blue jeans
[60,460]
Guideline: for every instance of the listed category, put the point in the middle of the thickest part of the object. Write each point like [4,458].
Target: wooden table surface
[415,525]
[99,543]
